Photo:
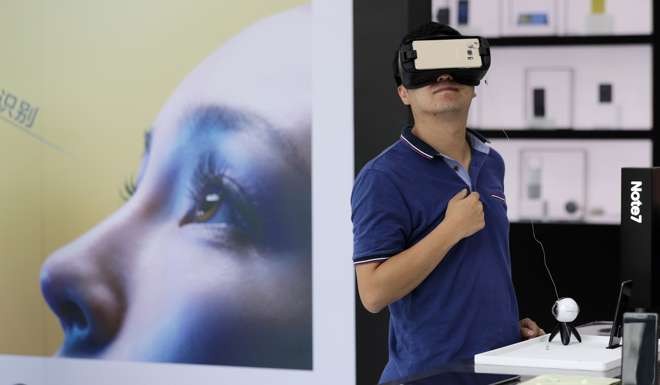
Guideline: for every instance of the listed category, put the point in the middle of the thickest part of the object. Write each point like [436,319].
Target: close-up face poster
[156,183]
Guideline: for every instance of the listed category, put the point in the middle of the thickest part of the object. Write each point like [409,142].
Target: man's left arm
[529,329]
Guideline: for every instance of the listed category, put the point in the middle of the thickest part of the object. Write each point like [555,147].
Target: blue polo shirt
[467,305]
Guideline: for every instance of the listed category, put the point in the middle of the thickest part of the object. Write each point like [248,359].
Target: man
[431,233]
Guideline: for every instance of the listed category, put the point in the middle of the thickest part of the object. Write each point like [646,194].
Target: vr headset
[465,58]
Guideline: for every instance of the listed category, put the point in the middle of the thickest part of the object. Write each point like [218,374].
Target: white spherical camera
[565,310]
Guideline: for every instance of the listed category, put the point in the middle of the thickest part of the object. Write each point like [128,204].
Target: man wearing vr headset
[431,235]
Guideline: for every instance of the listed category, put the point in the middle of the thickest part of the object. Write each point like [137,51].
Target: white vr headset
[422,61]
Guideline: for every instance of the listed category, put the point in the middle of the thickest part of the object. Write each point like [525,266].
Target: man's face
[443,96]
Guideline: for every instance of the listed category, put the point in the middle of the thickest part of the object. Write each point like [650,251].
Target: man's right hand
[465,214]
[381,283]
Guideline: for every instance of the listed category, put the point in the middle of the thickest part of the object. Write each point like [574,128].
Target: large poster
[156,185]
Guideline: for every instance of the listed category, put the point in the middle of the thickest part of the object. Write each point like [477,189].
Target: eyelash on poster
[244,222]
[128,188]
[131,184]
[207,172]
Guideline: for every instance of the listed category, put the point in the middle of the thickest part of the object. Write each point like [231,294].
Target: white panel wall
[502,99]
[502,18]
[596,189]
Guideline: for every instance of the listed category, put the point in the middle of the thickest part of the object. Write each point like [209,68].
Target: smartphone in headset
[639,354]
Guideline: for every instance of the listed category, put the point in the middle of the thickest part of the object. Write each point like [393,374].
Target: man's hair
[423,31]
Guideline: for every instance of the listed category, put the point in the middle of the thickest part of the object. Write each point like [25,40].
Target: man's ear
[403,94]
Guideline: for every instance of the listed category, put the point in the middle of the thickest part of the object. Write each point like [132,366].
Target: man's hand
[529,329]
[465,213]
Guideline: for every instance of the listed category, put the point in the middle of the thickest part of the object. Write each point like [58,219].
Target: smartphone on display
[463,9]
[639,354]
[539,102]
[622,306]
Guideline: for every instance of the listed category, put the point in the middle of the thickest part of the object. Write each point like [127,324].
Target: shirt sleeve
[381,217]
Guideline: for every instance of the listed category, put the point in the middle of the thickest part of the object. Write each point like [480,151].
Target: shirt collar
[477,141]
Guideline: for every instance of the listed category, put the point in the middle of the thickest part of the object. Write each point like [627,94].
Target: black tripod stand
[565,330]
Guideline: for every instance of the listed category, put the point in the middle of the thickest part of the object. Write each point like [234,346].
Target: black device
[640,243]
[538,97]
[622,306]
[640,349]
[605,93]
[565,330]
[462,378]
[442,15]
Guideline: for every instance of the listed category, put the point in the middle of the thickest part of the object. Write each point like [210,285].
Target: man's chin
[447,109]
